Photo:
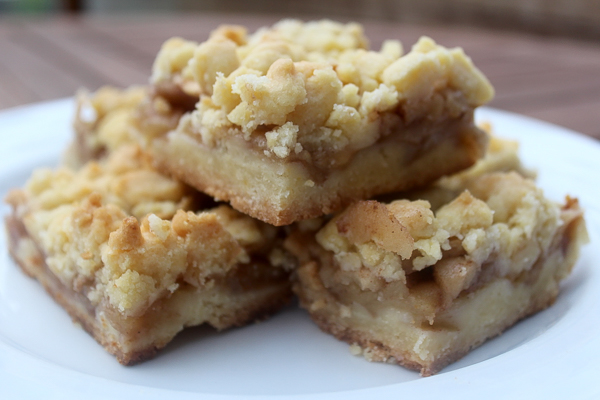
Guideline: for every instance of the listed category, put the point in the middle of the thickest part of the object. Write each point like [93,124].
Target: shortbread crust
[298,120]
[124,251]
[404,285]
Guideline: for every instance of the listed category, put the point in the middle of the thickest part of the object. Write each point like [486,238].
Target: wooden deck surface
[553,79]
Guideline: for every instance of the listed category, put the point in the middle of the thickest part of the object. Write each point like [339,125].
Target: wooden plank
[13,91]
[581,117]
[34,73]
[94,60]
[547,88]
[549,78]
[149,32]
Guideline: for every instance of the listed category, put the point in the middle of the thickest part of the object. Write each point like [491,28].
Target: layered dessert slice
[407,284]
[130,257]
[300,119]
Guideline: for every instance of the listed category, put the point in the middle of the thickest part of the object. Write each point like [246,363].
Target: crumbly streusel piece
[122,249]
[406,285]
[501,156]
[111,117]
[102,122]
[298,120]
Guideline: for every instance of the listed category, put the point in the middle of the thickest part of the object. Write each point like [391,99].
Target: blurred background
[575,18]
[542,56]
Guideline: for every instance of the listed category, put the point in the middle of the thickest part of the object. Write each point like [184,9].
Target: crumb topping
[119,232]
[108,113]
[126,180]
[315,89]
[502,155]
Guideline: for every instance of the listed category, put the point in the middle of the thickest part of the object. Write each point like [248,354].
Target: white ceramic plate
[554,354]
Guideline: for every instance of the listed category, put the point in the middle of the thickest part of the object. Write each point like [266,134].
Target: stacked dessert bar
[410,232]
[135,256]
[300,120]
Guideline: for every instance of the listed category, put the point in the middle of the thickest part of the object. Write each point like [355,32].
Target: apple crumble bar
[300,119]
[126,252]
[404,284]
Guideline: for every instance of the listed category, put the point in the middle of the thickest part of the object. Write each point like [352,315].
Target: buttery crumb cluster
[121,232]
[501,156]
[313,90]
[503,218]
[108,115]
